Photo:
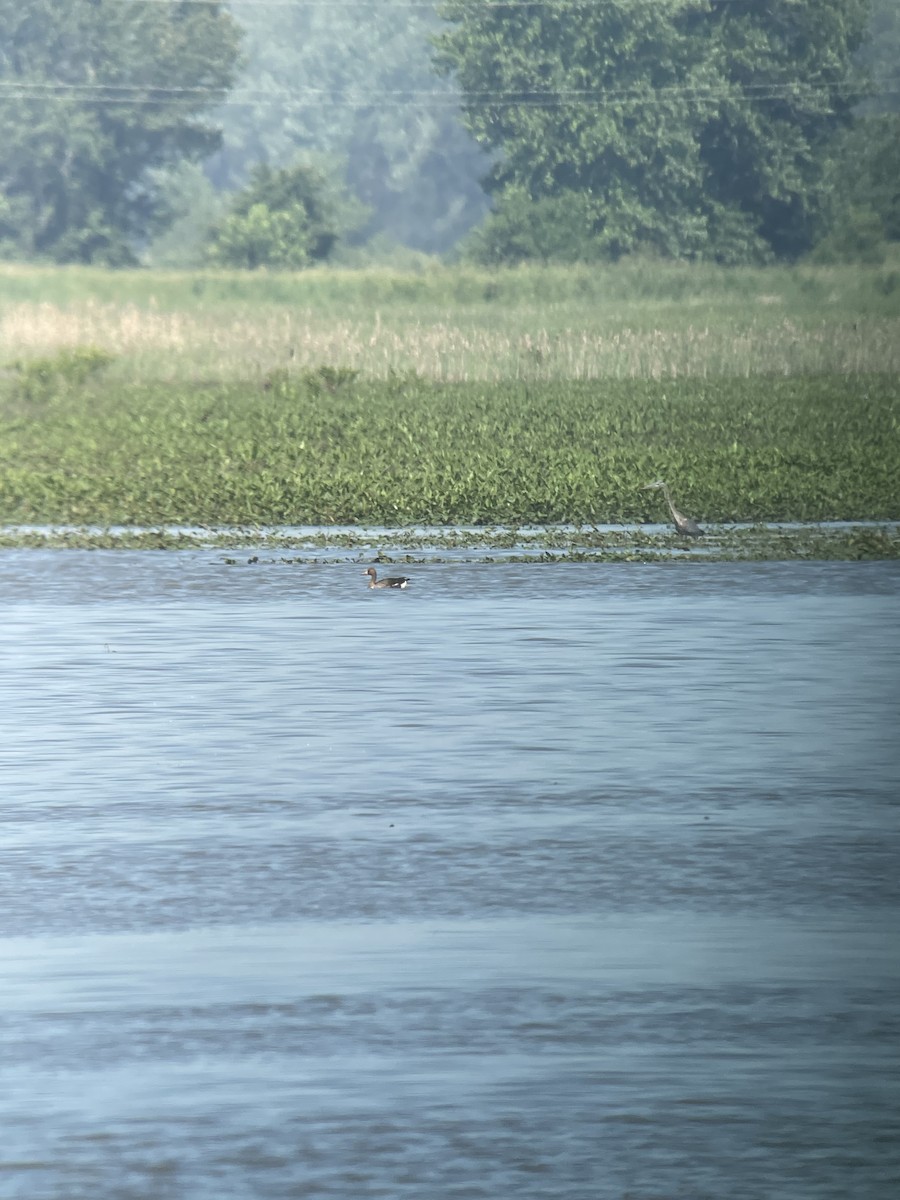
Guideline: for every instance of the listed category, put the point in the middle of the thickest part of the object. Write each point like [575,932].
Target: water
[572,881]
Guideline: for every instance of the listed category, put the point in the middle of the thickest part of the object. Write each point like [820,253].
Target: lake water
[528,882]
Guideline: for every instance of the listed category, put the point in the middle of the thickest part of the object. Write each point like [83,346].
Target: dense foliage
[866,166]
[880,55]
[283,218]
[354,84]
[94,94]
[694,128]
[730,130]
[865,176]
[256,398]
[327,446]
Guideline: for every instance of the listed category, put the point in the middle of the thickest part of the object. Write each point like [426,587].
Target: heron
[393,581]
[686,526]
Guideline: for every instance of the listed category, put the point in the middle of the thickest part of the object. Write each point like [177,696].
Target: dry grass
[231,343]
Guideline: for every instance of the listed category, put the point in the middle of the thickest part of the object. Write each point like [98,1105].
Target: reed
[448,396]
[245,343]
[633,321]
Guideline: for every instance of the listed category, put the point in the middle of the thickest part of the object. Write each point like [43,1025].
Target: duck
[686,526]
[393,581]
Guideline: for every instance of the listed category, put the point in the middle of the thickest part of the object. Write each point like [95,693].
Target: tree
[866,163]
[696,128]
[354,85]
[284,218]
[787,68]
[95,94]
[866,190]
[880,55]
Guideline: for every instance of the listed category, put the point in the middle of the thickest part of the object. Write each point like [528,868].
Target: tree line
[188,131]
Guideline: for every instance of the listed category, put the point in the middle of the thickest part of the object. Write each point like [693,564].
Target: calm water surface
[543,881]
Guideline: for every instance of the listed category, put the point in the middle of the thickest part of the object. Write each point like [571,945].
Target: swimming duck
[394,581]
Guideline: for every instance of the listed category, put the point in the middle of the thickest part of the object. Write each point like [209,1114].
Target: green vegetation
[325,447]
[634,320]
[455,397]
[701,129]
[697,130]
[284,219]
[354,84]
[96,96]
[645,289]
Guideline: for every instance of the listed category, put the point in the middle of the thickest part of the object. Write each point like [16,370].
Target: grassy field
[634,321]
[450,396]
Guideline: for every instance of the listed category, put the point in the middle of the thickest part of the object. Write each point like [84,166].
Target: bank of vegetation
[327,447]
[636,319]
[628,240]
[449,398]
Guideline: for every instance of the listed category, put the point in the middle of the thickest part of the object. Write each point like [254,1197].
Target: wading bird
[686,526]
[395,581]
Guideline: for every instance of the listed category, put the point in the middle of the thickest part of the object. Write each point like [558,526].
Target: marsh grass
[451,397]
[851,289]
[241,344]
[640,321]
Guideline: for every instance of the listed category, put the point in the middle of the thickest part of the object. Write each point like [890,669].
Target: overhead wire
[400,5]
[146,93]
[109,93]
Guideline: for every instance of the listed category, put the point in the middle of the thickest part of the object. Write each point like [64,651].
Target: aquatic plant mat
[254,547]
[478,405]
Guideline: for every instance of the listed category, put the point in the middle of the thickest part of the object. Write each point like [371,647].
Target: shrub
[576,227]
[554,229]
[284,218]
[859,238]
[43,378]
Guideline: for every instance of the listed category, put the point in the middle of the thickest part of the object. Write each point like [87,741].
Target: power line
[420,5]
[510,104]
[400,5]
[334,98]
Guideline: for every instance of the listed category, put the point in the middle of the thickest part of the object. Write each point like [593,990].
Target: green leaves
[262,238]
[94,93]
[285,219]
[55,375]
[354,84]
[696,129]
[326,447]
